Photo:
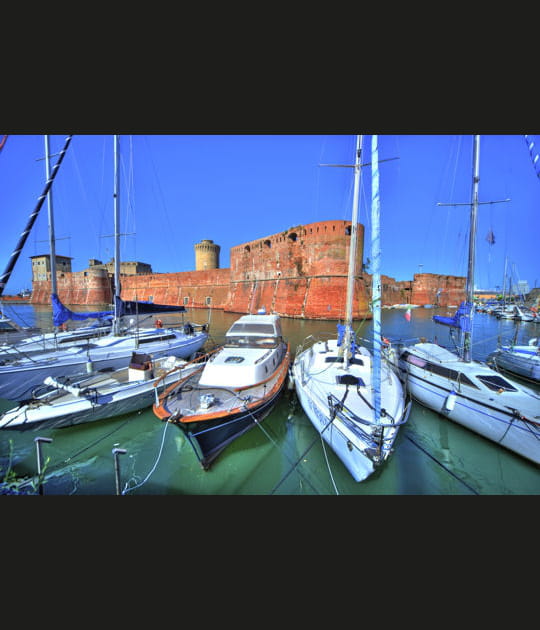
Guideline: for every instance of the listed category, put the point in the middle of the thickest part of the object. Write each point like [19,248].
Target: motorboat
[234,391]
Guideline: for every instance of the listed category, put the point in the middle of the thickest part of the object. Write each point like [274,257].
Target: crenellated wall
[301,272]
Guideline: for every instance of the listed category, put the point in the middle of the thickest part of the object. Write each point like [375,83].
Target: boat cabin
[253,350]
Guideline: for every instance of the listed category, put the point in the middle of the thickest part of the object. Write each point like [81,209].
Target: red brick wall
[301,272]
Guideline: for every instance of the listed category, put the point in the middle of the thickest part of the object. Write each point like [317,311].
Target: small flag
[490,238]
[408,314]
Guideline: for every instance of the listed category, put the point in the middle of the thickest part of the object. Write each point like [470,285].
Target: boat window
[452,375]
[496,382]
[234,359]
[413,359]
[255,327]
[5,326]
[152,339]
[249,341]
[436,368]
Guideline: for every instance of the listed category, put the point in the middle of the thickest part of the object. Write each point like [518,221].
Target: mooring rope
[126,489]
[441,464]
[276,445]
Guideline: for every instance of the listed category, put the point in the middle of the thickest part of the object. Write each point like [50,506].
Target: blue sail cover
[127,307]
[341,334]
[61,313]
[461,319]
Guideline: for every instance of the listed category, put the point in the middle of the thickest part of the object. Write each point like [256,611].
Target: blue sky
[179,189]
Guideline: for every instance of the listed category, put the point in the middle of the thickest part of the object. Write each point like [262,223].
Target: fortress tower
[206,255]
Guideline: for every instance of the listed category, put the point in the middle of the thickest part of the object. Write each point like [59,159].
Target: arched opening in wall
[348,230]
[268,243]
[186,301]
[292,236]
[247,248]
[208,300]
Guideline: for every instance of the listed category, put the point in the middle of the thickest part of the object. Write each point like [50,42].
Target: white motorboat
[237,388]
[65,402]
[353,397]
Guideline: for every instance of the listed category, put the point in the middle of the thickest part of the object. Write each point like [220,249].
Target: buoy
[450,402]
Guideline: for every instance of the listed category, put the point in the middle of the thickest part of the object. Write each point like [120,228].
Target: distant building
[41,266]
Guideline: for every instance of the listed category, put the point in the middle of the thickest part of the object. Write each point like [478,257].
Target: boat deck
[188,401]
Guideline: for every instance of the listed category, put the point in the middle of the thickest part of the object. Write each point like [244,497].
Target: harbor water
[284,455]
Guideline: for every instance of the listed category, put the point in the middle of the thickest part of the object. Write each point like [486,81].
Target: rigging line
[441,464]
[275,443]
[328,466]
[309,447]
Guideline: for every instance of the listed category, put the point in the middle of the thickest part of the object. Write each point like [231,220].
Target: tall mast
[52,240]
[352,254]
[116,195]
[376,276]
[31,220]
[472,248]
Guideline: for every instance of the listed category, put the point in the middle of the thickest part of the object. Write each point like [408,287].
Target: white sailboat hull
[19,377]
[508,417]
[107,395]
[521,360]
[355,436]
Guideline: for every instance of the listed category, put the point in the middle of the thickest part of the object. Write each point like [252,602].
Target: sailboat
[20,374]
[352,397]
[520,359]
[35,340]
[464,390]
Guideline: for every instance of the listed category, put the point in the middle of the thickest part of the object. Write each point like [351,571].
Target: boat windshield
[250,341]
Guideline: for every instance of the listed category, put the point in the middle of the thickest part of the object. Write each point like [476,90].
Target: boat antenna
[31,220]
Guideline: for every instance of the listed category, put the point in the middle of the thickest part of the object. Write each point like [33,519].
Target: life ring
[158,323]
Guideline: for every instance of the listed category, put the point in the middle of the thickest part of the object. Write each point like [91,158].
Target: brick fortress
[301,272]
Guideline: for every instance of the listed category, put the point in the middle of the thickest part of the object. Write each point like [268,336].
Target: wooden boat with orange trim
[235,389]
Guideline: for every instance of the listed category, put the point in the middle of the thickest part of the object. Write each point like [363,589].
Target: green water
[285,455]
